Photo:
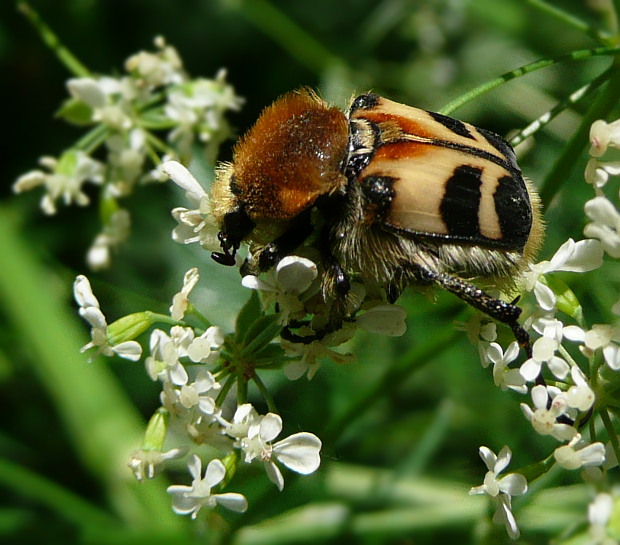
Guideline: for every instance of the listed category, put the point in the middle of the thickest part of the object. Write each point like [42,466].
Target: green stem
[565,163]
[242,390]
[568,19]
[219,400]
[611,432]
[271,405]
[93,139]
[68,59]
[193,311]
[289,35]
[526,69]
[155,318]
[566,355]
[571,100]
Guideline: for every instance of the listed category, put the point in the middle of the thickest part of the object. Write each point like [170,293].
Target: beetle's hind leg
[501,311]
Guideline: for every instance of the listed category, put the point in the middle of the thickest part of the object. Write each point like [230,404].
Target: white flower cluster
[155,94]
[560,409]
[193,399]
[293,287]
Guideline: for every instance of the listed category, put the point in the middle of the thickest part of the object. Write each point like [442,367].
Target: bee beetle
[395,195]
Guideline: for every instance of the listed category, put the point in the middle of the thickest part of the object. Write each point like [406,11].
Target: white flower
[543,351]
[147,463]
[384,319]
[604,135]
[479,329]
[90,311]
[605,224]
[164,67]
[601,336]
[180,300]
[570,457]
[543,419]
[206,348]
[598,172]
[198,107]
[580,396]
[163,363]
[310,353]
[283,286]
[65,179]
[299,452]
[599,515]
[582,256]
[188,500]
[115,232]
[105,96]
[244,417]
[126,156]
[198,224]
[200,393]
[503,376]
[501,489]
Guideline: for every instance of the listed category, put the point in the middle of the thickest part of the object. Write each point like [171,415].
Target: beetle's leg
[501,311]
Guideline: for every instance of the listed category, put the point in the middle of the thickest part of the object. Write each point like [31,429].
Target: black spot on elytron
[461,201]
[365,102]
[379,191]
[454,125]
[500,145]
[514,210]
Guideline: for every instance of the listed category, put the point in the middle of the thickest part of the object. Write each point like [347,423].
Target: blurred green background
[401,427]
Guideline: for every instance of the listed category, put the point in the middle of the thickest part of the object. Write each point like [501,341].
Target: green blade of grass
[99,418]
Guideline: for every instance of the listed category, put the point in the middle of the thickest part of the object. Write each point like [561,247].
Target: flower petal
[274,474]
[299,452]
[184,179]
[130,350]
[233,501]
[215,473]
[270,426]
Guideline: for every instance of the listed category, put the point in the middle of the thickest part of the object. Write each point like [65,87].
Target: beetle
[395,195]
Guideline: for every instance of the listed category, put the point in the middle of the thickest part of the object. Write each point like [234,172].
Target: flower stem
[565,163]
[68,59]
[193,311]
[611,432]
[219,400]
[572,99]
[93,139]
[568,18]
[579,54]
[271,405]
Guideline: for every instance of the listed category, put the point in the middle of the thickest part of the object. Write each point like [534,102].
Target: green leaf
[260,334]
[566,300]
[250,312]
[76,112]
